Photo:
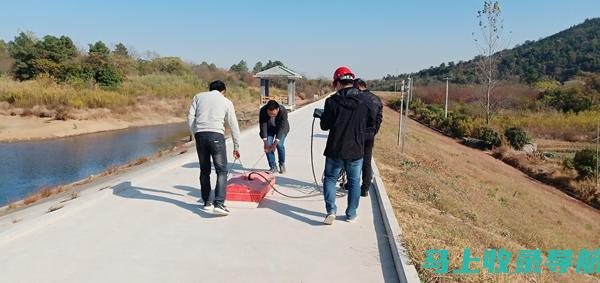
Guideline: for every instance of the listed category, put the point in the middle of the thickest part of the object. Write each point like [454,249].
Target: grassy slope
[448,196]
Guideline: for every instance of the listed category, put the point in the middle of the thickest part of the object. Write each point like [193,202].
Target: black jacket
[377,108]
[347,116]
[282,126]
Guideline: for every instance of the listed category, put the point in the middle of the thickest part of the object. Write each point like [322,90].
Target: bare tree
[491,28]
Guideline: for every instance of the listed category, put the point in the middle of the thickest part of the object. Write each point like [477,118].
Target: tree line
[560,57]
[28,57]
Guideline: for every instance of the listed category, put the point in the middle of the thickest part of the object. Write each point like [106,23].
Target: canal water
[25,167]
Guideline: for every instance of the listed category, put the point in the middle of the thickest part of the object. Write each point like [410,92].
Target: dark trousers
[212,145]
[367,170]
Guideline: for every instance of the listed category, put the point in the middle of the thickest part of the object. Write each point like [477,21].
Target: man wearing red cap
[347,115]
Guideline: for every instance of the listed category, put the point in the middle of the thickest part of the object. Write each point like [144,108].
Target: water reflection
[27,166]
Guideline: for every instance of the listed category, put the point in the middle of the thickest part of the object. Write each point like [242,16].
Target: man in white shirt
[206,119]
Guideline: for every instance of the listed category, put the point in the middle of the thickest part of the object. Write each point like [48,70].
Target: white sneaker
[329,219]
[207,206]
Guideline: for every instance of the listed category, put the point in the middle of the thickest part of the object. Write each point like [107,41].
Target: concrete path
[148,227]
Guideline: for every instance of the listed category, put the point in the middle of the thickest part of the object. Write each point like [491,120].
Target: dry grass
[561,146]
[141,160]
[111,170]
[44,97]
[551,172]
[11,206]
[46,192]
[48,93]
[511,96]
[552,124]
[447,196]
[32,199]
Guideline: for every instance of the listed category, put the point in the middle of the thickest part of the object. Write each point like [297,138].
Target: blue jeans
[280,151]
[332,173]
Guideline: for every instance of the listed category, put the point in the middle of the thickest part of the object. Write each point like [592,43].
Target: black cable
[342,177]
[276,190]
[339,192]
[312,161]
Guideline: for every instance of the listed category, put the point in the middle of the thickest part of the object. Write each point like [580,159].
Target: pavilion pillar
[291,92]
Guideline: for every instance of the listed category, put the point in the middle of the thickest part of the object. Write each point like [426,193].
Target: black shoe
[364,192]
[220,209]
[273,170]
[281,168]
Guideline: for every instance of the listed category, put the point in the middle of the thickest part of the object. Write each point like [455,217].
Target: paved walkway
[149,228]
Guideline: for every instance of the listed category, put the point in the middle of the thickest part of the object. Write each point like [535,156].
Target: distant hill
[559,57]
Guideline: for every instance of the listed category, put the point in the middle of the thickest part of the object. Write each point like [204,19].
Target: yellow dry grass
[447,196]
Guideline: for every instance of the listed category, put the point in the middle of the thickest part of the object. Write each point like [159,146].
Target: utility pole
[597,141]
[446,105]
[404,125]
[401,106]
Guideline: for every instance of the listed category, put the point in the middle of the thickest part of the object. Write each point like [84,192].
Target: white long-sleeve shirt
[208,113]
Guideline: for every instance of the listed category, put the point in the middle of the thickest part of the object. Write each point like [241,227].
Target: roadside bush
[431,115]
[416,104]
[517,137]
[568,163]
[457,124]
[395,104]
[585,162]
[489,136]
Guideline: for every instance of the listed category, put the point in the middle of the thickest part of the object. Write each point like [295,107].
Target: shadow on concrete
[191,191]
[126,190]
[296,184]
[385,253]
[294,212]
[191,165]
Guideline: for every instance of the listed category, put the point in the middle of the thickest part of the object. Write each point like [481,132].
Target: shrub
[457,124]
[109,77]
[566,100]
[568,163]
[517,137]
[75,73]
[416,103]
[585,162]
[489,136]
[431,115]
[395,104]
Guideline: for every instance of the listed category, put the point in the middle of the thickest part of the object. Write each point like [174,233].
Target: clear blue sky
[374,38]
